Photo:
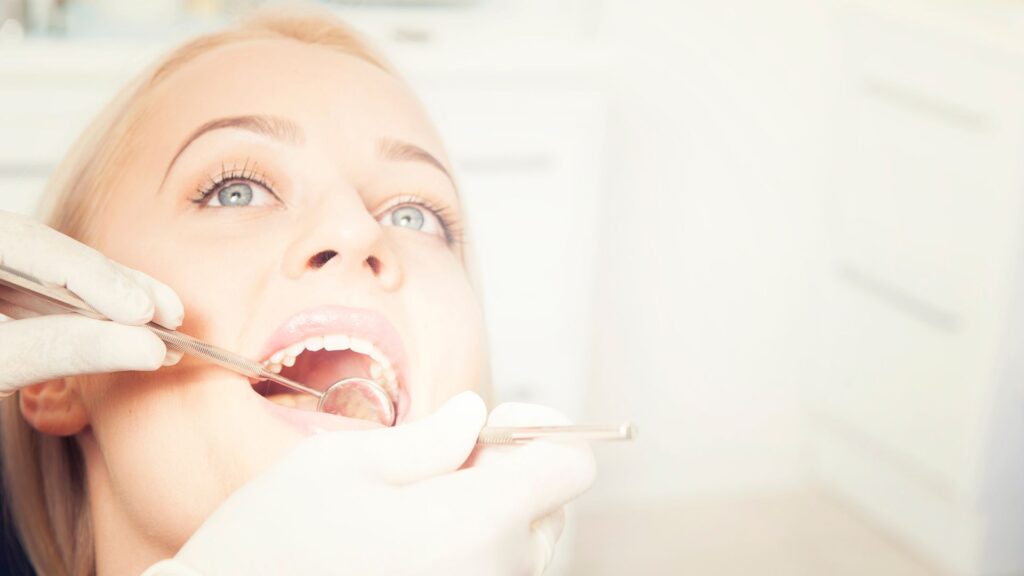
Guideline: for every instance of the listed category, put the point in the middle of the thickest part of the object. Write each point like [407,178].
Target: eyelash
[453,232]
[228,175]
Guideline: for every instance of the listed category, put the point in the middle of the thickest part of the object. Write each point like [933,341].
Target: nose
[341,235]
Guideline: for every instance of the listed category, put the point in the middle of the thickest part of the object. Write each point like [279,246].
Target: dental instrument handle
[189,345]
[51,299]
[499,435]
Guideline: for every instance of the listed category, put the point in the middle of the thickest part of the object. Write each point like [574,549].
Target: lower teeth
[294,401]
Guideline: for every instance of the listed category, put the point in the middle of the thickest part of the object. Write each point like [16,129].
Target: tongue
[322,368]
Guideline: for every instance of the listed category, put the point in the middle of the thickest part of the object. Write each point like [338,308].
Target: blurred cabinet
[922,423]
[49,91]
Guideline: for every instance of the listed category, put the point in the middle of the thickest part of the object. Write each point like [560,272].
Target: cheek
[447,332]
[139,469]
[220,295]
[220,278]
[170,444]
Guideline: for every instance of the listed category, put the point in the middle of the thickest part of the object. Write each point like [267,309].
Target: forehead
[337,98]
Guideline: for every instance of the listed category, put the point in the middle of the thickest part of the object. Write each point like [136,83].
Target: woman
[286,185]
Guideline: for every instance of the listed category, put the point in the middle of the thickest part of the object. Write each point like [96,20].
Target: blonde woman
[285,187]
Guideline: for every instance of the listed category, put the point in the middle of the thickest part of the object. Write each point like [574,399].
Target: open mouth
[320,361]
[321,346]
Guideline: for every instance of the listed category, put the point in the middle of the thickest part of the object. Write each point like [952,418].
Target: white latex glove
[547,528]
[47,347]
[393,502]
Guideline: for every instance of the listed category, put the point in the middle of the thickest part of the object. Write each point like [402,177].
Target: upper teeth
[381,369]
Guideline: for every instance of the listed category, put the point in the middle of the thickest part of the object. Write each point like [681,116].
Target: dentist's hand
[47,347]
[547,528]
[395,502]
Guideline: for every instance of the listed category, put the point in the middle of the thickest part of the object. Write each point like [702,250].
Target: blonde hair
[44,476]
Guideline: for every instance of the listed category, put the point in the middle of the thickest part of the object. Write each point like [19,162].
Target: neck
[123,545]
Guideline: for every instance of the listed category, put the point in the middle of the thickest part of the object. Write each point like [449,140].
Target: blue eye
[414,217]
[238,194]
[408,217]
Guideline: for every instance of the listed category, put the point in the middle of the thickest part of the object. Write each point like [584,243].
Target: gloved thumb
[436,444]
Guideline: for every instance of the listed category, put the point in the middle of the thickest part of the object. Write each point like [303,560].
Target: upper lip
[360,323]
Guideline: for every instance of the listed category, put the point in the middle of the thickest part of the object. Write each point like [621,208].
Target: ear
[53,407]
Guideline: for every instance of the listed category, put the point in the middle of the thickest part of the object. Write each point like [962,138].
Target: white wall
[921,423]
[712,247]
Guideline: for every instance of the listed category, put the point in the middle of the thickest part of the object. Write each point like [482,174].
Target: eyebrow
[287,131]
[401,151]
[280,129]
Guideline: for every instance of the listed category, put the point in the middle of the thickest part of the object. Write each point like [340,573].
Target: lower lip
[310,423]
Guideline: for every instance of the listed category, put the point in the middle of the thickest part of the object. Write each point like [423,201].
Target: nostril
[322,258]
[374,265]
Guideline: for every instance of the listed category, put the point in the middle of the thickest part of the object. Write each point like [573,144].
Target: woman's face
[270,178]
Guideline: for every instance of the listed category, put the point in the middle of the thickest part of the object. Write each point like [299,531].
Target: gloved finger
[172,357]
[169,311]
[48,347]
[551,526]
[436,444]
[35,249]
[546,533]
[516,414]
[528,482]
[579,463]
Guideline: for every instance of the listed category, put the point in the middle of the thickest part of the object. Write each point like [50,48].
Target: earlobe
[53,407]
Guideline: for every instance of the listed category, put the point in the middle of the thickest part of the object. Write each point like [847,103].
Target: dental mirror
[358,398]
